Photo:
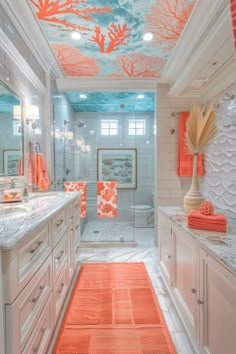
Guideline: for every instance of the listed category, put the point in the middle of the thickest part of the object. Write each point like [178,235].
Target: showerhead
[78,125]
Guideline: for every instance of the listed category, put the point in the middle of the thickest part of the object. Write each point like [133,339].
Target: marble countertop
[19,219]
[221,245]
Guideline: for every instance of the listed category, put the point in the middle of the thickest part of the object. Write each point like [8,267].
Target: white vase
[193,198]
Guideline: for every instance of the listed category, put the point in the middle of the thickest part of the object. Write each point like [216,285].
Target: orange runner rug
[113,310]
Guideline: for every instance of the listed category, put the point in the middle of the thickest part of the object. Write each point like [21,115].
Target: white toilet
[142,215]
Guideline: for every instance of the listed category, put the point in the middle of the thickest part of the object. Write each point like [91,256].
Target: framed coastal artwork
[118,165]
[11,160]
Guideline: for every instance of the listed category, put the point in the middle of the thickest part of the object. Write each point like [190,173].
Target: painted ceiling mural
[111,43]
[111,101]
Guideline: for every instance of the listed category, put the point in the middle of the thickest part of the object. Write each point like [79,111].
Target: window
[137,127]
[109,127]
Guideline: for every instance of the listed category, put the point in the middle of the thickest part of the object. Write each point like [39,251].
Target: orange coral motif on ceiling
[111,34]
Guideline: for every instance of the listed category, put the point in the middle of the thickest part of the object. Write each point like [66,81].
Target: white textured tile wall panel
[219,183]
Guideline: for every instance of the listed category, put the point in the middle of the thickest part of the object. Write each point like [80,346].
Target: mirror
[11,133]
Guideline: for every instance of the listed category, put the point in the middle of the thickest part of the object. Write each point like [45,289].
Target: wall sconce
[28,113]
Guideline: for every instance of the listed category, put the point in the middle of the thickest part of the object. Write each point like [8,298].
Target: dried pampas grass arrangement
[200,128]
[200,131]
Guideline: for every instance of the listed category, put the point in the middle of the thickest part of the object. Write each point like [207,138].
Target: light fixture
[83,96]
[148,36]
[28,113]
[76,35]
[17,112]
[140,96]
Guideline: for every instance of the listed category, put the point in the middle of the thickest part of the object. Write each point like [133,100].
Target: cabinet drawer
[41,335]
[20,264]
[59,292]
[59,257]
[59,226]
[22,315]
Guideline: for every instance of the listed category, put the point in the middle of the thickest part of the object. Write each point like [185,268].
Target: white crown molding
[202,51]
[224,78]
[20,62]
[22,16]
[106,84]
[200,23]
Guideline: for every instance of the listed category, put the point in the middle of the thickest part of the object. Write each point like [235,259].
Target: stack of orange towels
[214,222]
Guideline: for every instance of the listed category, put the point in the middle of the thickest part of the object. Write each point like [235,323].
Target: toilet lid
[141,207]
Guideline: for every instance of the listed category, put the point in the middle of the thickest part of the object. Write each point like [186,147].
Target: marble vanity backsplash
[18,219]
[221,245]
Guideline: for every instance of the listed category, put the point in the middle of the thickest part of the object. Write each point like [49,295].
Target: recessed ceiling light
[148,36]
[91,132]
[76,35]
[140,96]
[82,95]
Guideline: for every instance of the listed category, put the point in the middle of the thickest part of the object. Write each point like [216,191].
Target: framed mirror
[11,133]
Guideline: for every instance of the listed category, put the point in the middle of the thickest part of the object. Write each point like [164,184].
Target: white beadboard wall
[170,187]
[219,183]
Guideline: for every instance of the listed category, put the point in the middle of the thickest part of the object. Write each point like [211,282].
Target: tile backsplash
[219,183]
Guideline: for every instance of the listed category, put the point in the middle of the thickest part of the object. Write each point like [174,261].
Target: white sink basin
[13,211]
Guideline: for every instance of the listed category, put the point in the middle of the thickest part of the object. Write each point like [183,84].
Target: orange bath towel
[80,186]
[185,160]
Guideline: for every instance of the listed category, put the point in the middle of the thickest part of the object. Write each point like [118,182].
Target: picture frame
[11,160]
[118,165]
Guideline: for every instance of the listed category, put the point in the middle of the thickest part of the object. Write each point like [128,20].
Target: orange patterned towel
[185,160]
[107,199]
[80,186]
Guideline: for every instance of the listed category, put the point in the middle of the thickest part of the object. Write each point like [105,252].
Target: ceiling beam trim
[23,18]
[98,84]
[200,23]
[20,62]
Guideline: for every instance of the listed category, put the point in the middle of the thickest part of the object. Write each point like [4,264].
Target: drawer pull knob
[77,226]
[169,256]
[76,205]
[35,299]
[35,349]
[59,257]
[62,286]
[200,302]
[59,222]
[77,249]
[32,250]
[193,291]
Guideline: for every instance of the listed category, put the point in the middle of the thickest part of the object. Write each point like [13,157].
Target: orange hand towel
[185,160]
[219,228]
[41,177]
[215,222]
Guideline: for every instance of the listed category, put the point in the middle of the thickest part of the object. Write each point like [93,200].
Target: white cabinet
[202,289]
[185,284]
[37,274]
[165,248]
[217,300]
